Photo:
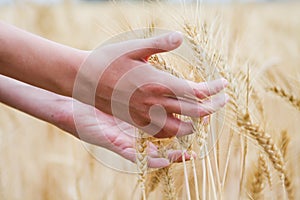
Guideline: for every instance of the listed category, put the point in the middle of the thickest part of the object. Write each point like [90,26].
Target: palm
[101,129]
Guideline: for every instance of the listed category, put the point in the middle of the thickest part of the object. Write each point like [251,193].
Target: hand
[118,80]
[90,125]
[101,129]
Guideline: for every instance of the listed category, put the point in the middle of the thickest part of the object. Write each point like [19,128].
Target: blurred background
[209,1]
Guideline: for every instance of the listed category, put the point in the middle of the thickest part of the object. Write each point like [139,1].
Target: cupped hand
[101,129]
[119,81]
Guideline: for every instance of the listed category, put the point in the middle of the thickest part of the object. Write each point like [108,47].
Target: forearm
[42,104]
[37,61]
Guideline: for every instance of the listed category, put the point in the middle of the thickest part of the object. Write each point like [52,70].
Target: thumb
[163,43]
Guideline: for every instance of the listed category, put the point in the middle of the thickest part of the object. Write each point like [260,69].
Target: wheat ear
[265,169]
[141,160]
[257,181]
[153,180]
[294,101]
[284,143]
[169,189]
[270,148]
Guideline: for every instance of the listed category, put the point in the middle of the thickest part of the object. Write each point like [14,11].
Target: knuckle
[154,88]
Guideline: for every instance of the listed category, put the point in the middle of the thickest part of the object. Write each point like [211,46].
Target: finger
[187,108]
[158,162]
[174,127]
[195,109]
[183,89]
[205,89]
[144,48]
[176,155]
[213,104]
[153,162]
[152,150]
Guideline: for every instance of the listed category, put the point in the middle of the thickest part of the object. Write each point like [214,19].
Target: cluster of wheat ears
[205,176]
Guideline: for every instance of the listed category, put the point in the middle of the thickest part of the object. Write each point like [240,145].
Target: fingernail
[175,37]
[194,155]
[227,98]
[225,82]
[165,163]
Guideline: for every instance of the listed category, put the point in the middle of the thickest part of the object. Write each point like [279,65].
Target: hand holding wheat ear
[119,81]
[115,78]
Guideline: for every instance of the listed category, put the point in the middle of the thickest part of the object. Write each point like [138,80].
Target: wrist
[74,61]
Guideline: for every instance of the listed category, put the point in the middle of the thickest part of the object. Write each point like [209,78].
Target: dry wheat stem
[187,187]
[195,177]
[243,160]
[227,160]
[210,172]
[215,155]
[203,179]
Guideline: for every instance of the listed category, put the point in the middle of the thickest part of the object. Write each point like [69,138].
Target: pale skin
[50,70]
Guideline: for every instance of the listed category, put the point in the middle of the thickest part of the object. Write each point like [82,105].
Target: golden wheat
[55,166]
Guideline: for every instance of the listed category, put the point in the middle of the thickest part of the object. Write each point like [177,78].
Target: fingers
[165,125]
[212,105]
[154,158]
[183,88]
[174,156]
[205,89]
[147,47]
[172,127]
[195,109]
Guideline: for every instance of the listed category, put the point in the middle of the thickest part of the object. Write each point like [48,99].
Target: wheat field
[254,46]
